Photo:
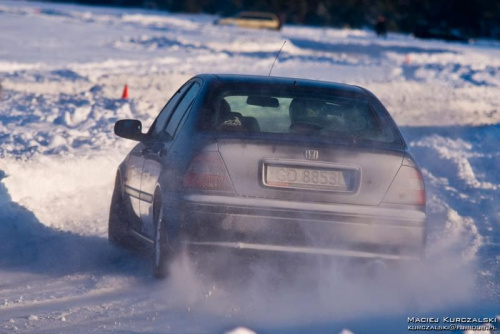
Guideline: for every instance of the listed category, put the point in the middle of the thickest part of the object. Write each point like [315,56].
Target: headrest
[224,109]
[305,110]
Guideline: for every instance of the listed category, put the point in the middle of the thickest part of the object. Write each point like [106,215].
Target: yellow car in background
[254,20]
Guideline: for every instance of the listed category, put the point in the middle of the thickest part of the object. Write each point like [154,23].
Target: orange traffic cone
[125,92]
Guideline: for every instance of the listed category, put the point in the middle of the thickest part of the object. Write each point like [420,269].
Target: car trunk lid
[309,172]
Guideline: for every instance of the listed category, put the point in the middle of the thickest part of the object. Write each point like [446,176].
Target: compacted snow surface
[62,71]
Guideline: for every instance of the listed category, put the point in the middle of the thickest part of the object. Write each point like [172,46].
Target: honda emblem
[311,154]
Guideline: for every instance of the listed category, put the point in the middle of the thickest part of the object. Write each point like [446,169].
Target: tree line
[473,18]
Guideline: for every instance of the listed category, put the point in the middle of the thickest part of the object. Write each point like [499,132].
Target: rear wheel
[117,223]
[160,249]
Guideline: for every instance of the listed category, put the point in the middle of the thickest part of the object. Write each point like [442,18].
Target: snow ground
[62,69]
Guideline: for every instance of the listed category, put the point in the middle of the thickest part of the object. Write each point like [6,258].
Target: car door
[156,155]
[135,161]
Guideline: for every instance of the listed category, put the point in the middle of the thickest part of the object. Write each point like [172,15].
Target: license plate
[308,178]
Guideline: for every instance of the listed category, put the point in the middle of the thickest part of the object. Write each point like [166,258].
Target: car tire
[160,244]
[117,224]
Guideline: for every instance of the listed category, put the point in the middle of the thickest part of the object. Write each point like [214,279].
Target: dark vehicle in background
[427,31]
[270,165]
[254,20]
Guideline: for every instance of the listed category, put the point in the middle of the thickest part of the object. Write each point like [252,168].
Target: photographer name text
[450,320]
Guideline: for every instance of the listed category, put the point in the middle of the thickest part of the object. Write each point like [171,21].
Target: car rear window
[295,113]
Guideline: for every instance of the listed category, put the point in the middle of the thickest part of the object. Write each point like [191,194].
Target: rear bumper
[265,225]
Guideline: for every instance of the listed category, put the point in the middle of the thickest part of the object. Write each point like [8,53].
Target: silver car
[269,165]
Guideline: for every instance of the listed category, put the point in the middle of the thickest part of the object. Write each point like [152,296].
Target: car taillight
[207,171]
[407,187]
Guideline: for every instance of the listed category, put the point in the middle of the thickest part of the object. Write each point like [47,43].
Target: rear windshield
[294,113]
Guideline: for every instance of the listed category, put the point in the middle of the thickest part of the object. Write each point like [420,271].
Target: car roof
[261,14]
[272,80]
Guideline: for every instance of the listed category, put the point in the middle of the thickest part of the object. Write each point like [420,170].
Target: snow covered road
[62,71]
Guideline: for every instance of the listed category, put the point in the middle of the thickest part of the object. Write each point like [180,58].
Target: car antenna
[277,55]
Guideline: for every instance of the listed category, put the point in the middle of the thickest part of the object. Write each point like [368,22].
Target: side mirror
[129,128]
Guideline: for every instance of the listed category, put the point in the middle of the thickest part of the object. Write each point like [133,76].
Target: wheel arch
[119,181]
[157,200]
[120,172]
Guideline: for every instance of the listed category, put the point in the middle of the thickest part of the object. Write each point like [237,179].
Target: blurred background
[448,19]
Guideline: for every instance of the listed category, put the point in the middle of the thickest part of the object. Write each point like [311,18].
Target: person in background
[381,26]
